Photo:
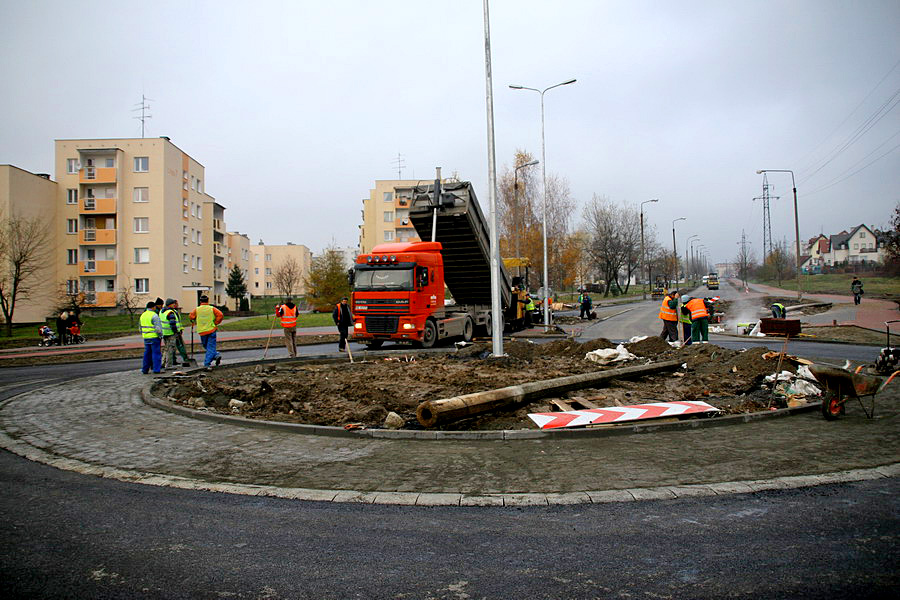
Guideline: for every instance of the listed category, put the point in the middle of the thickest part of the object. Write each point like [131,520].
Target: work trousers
[179,345]
[290,340]
[669,331]
[700,329]
[686,329]
[168,351]
[152,355]
[342,343]
[208,341]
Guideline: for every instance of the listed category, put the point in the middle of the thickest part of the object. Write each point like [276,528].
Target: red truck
[398,288]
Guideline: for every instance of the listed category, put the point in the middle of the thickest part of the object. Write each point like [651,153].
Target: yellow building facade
[266,259]
[385,214]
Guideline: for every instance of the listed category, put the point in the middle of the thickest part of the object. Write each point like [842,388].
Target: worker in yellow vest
[668,312]
[151,332]
[699,320]
[207,318]
[684,317]
[287,313]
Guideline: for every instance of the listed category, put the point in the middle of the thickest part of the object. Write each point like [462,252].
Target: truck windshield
[384,279]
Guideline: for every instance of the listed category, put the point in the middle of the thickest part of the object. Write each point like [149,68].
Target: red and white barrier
[618,414]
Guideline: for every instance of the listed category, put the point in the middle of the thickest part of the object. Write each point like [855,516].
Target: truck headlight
[357,326]
[408,326]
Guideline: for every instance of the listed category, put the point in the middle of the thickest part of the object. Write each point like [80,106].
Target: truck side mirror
[351,276]
[423,277]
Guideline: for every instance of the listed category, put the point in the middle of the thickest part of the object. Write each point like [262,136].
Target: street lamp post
[688,258]
[675,248]
[517,215]
[796,221]
[544,205]
[643,254]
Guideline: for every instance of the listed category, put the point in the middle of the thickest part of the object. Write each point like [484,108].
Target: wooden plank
[563,406]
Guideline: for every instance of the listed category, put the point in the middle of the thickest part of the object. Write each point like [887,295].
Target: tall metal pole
[796,223]
[496,309]
[675,248]
[643,253]
[546,299]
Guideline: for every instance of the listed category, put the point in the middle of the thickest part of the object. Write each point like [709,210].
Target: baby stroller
[74,334]
[48,338]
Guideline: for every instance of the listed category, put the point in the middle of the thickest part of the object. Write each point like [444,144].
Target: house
[859,246]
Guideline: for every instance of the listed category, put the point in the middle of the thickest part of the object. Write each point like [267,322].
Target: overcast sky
[295,108]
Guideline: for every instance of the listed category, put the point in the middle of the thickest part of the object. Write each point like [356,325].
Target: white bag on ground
[604,356]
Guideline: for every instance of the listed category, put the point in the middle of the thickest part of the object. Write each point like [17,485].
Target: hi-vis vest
[288,316]
[530,305]
[666,313]
[206,319]
[684,317]
[166,325]
[697,308]
[148,331]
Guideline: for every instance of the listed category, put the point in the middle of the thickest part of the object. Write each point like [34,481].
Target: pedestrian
[61,324]
[170,327]
[73,327]
[158,305]
[343,318]
[856,286]
[586,304]
[669,315]
[699,320]
[778,310]
[207,319]
[684,317]
[287,313]
[528,309]
[151,331]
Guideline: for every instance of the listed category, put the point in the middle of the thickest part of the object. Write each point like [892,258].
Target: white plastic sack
[716,329]
[805,373]
[804,387]
[638,338]
[783,376]
[605,356]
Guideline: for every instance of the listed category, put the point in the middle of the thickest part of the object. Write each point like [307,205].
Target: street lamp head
[568,82]
[679,219]
[517,87]
[532,163]
[760,171]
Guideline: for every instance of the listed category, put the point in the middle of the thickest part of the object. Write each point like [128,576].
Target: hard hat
[685,298]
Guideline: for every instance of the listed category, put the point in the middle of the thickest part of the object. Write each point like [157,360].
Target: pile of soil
[767,302]
[337,394]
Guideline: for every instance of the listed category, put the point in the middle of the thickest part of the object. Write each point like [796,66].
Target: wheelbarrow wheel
[831,406]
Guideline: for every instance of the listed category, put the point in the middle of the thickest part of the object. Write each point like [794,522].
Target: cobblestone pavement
[100,425]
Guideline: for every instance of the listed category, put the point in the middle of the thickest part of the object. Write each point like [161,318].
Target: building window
[184,186]
[199,263]
[388,196]
[268,271]
[184,258]
[184,268]
[862,234]
[71,196]
[110,163]
[184,213]
[71,225]
[71,166]
[193,209]
[141,164]
[141,224]
[199,186]
[389,236]
[268,258]
[194,235]
[388,216]
[142,285]
[200,237]
[193,261]
[193,183]
[141,194]
[71,256]
[856,246]
[141,255]
[110,285]
[184,240]
[71,286]
[184,175]
[268,285]
[256,271]
[256,284]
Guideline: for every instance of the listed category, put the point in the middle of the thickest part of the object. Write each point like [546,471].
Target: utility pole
[399,164]
[767,218]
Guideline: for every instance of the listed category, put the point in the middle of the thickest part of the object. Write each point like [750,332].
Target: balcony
[99,237]
[218,250]
[97,175]
[97,268]
[219,225]
[401,223]
[98,206]
[100,299]
[401,202]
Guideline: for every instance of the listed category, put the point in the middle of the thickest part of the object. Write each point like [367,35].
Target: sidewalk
[871,313]
[100,426]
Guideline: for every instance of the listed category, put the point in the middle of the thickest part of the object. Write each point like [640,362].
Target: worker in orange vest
[668,312]
[287,313]
[699,320]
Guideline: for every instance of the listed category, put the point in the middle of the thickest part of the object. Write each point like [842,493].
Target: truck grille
[381,324]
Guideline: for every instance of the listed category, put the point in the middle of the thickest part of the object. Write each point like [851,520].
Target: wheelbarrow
[842,385]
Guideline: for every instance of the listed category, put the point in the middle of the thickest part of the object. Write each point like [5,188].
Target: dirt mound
[650,347]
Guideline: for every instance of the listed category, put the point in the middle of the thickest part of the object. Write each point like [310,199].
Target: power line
[852,174]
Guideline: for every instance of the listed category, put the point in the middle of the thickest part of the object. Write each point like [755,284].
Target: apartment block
[132,214]
[268,258]
[385,214]
[237,252]
[30,196]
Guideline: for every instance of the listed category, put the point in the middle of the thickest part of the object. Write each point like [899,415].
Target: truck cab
[712,281]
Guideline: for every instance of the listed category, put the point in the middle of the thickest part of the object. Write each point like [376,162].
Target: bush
[245,305]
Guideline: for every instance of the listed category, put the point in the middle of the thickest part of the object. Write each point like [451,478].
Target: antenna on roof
[143,107]
[399,164]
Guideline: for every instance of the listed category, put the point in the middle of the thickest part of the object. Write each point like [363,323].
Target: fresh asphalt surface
[71,535]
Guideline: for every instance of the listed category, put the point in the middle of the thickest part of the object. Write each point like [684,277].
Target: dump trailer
[398,288]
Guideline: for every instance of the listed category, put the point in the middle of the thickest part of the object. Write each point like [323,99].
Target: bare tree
[615,239]
[129,302]
[746,262]
[779,263]
[24,253]
[287,276]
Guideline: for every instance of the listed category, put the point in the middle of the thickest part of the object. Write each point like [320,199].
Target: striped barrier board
[619,414]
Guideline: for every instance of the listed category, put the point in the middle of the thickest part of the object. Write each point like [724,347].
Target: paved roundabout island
[101,425]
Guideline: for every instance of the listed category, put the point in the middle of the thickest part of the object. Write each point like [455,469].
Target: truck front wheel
[468,329]
[429,336]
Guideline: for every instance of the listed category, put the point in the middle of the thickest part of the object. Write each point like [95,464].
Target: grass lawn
[265,322]
[839,283]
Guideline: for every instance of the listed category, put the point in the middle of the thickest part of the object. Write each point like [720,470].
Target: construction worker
[529,308]
[778,310]
[684,317]
[586,305]
[151,331]
[207,319]
[343,318]
[699,320]
[669,315]
[170,324]
[287,313]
